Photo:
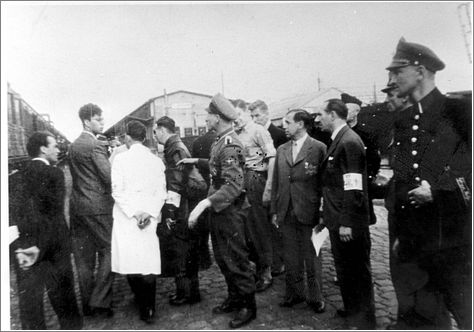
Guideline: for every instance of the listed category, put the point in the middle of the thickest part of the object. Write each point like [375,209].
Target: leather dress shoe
[263,285]
[148,316]
[177,301]
[318,307]
[226,307]
[243,317]
[289,302]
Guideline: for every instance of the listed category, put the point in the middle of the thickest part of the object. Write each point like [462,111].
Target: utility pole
[222,81]
[375,94]
[466,27]
[166,102]
[319,83]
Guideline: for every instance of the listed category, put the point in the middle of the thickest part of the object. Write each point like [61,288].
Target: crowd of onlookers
[261,193]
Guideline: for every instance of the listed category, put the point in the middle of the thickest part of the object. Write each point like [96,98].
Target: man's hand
[421,195]
[187,161]
[267,195]
[143,219]
[197,211]
[274,220]
[395,247]
[345,233]
[27,257]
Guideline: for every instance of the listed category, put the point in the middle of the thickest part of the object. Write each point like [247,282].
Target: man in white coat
[139,190]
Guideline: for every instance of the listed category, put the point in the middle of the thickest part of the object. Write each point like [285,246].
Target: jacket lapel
[304,151]
[336,141]
[287,153]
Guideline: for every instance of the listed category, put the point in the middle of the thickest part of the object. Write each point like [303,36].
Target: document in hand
[318,239]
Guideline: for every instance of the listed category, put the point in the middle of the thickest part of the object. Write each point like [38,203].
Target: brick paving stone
[214,291]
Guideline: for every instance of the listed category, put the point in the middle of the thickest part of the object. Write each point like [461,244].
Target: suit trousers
[352,262]
[259,227]
[300,257]
[56,275]
[144,289]
[231,252]
[92,235]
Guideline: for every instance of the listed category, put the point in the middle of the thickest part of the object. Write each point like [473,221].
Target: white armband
[352,181]
[173,198]
[14,234]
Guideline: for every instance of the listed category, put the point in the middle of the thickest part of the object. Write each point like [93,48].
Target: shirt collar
[88,132]
[300,140]
[267,125]
[430,103]
[224,133]
[337,130]
[43,160]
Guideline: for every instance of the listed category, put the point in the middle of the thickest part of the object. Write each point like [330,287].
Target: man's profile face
[51,151]
[405,78]
[259,116]
[291,127]
[95,124]
[211,121]
[323,119]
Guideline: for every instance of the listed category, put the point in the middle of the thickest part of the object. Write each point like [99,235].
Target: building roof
[308,101]
[182,91]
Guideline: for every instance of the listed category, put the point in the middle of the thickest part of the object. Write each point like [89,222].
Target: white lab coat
[138,184]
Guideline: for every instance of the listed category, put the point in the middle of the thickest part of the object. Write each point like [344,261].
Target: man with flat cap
[432,180]
[228,205]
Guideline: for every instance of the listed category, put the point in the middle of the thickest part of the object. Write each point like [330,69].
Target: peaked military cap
[415,54]
[348,99]
[222,106]
[389,88]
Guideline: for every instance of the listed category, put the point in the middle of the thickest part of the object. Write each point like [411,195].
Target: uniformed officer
[228,205]
[432,178]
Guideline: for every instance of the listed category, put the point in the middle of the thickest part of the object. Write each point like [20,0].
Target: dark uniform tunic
[185,262]
[228,214]
[431,143]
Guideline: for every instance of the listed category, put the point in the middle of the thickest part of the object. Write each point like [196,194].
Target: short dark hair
[136,130]
[36,141]
[167,123]
[87,111]
[301,115]
[239,103]
[258,104]
[338,107]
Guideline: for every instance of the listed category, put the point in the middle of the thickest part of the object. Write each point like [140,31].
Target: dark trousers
[56,275]
[259,227]
[187,265]
[450,274]
[300,257]
[92,235]
[352,262]
[144,289]
[231,252]
[419,306]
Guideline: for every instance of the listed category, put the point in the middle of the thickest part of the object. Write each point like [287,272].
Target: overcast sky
[60,56]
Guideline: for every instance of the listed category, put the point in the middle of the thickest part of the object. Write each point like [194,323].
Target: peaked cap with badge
[412,54]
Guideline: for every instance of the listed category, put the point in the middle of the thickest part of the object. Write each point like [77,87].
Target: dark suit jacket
[278,135]
[348,208]
[299,182]
[202,149]
[40,214]
[90,170]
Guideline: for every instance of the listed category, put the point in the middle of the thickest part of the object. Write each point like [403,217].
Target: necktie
[294,151]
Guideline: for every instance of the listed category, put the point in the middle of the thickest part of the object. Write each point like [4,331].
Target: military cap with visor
[222,106]
[412,54]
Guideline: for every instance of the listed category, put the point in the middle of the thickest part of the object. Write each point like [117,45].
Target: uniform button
[414,139]
[417,179]
[415,127]
[414,152]
[417,117]
[415,165]
[398,143]
[403,206]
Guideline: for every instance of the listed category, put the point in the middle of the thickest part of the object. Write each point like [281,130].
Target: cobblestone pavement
[214,291]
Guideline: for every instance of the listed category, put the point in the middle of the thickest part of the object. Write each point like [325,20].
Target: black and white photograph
[220,165]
